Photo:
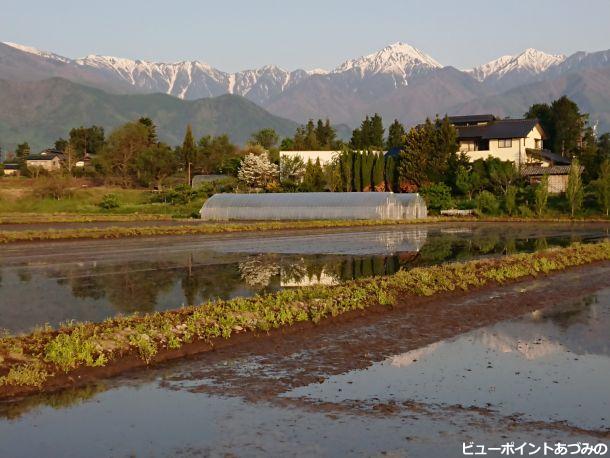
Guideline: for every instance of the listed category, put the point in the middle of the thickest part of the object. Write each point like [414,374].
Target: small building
[48,159]
[11,169]
[480,136]
[324,156]
[314,206]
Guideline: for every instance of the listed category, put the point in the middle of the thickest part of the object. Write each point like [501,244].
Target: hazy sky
[234,35]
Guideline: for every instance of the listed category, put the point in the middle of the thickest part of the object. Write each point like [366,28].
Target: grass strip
[35,359]
[226,227]
[28,218]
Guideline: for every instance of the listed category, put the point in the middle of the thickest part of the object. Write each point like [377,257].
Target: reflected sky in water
[91,280]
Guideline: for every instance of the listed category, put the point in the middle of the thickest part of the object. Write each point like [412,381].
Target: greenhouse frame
[314,206]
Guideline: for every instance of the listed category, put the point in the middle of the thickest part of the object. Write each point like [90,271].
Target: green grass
[19,199]
[34,359]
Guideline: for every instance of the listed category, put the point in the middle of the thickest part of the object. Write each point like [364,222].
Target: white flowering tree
[257,172]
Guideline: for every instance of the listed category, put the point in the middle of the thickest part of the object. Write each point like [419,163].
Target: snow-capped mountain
[519,68]
[195,79]
[398,81]
[37,52]
[398,59]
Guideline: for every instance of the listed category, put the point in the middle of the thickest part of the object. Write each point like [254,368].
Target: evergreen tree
[347,168]
[367,170]
[87,140]
[391,174]
[267,138]
[313,179]
[396,135]
[152,130]
[375,140]
[378,169]
[357,161]
[188,149]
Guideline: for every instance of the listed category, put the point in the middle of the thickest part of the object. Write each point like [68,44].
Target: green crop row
[33,359]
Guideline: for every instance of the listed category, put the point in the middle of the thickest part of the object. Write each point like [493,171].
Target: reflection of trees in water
[57,400]
[258,270]
[129,287]
[570,314]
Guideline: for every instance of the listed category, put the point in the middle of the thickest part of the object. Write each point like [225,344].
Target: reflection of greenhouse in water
[314,205]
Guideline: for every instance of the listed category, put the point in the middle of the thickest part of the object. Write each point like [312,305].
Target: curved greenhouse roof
[314,205]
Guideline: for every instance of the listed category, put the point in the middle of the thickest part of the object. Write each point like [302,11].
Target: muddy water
[91,280]
[391,385]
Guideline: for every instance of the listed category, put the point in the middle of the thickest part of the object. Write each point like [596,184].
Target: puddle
[552,366]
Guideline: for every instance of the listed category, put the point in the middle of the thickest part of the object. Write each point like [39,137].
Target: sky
[234,35]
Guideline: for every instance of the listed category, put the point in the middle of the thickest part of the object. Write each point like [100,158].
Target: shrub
[53,186]
[542,195]
[437,195]
[510,200]
[487,203]
[525,211]
[109,202]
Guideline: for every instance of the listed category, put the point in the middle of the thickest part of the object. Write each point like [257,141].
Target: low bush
[53,186]
[109,202]
[437,196]
[487,203]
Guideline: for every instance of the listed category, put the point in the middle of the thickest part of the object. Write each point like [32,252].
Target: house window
[505,143]
[538,143]
[467,146]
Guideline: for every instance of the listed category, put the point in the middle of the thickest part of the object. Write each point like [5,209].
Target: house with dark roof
[48,159]
[10,168]
[517,140]
[480,136]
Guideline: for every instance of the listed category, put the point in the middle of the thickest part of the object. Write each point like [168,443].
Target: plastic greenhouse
[314,205]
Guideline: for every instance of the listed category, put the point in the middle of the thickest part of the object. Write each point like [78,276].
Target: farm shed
[314,205]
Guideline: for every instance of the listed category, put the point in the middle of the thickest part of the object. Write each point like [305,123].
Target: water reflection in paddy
[56,282]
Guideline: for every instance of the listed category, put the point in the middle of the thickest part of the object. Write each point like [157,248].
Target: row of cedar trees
[367,171]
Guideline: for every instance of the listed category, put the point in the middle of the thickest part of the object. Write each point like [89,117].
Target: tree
[313,179]
[87,140]
[292,169]
[562,122]
[501,173]
[378,172]
[510,200]
[61,144]
[396,135]
[257,172]
[332,175]
[437,196]
[375,139]
[21,155]
[429,153]
[216,155]
[154,164]
[152,129]
[541,194]
[124,144]
[357,174]
[602,186]
[187,152]
[575,191]
[267,138]
[346,167]
[467,181]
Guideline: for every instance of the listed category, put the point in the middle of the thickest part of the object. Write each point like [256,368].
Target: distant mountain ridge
[43,111]
[398,81]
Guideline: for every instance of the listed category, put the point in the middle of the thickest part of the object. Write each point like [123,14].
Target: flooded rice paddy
[416,382]
[57,282]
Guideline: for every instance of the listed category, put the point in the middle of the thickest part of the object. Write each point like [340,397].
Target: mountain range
[398,81]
